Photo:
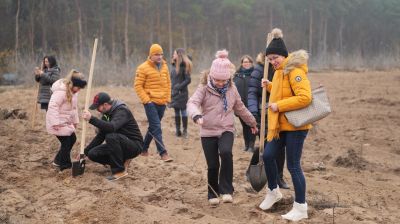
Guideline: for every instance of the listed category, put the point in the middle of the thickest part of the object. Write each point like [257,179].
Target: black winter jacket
[118,120]
[241,79]
[179,87]
[255,90]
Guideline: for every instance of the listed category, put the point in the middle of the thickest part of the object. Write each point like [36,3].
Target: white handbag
[318,109]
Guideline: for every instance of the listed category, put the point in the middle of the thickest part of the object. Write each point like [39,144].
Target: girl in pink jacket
[62,115]
[213,106]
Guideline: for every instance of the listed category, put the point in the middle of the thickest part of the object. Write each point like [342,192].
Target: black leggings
[63,158]
[219,181]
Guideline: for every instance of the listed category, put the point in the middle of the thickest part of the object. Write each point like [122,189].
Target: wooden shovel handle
[263,101]
[87,98]
[35,106]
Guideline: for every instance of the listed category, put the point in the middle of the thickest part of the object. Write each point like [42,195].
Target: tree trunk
[184,36]
[32,29]
[126,38]
[169,28]
[78,9]
[271,16]
[240,40]
[100,18]
[17,33]
[228,31]
[216,38]
[113,45]
[341,27]
[43,24]
[158,24]
[310,29]
[325,36]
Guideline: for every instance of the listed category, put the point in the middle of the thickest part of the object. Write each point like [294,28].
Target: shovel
[256,172]
[78,167]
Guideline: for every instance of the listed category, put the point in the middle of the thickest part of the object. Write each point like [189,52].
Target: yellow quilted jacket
[151,84]
[294,71]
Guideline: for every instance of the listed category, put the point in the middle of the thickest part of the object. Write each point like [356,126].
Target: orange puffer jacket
[151,84]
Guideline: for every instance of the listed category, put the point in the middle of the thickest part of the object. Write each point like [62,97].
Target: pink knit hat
[221,67]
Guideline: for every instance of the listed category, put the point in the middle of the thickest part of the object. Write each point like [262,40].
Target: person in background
[62,115]
[290,90]
[212,107]
[180,79]
[254,105]
[241,79]
[46,75]
[153,87]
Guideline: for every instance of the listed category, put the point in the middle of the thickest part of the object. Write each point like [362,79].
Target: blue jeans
[154,115]
[293,141]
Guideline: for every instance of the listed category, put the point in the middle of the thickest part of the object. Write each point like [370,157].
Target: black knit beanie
[277,46]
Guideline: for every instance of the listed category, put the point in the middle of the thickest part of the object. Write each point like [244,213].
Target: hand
[254,130]
[265,82]
[199,121]
[273,106]
[78,157]
[86,115]
[36,71]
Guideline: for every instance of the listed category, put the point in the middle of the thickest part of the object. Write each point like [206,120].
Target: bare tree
[169,28]
[80,34]
[17,32]
[126,37]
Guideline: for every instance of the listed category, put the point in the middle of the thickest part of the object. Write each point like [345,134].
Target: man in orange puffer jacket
[153,86]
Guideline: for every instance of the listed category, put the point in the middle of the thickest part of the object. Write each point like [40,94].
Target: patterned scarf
[222,91]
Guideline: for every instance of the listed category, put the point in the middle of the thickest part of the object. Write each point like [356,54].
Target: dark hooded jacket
[241,79]
[179,87]
[118,120]
[46,80]
[255,90]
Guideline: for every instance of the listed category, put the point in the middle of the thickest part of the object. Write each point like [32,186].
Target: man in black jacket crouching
[118,128]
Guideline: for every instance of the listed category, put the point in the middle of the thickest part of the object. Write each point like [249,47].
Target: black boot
[251,146]
[184,124]
[178,126]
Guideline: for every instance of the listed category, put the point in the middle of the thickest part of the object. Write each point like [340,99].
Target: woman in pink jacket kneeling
[212,107]
[62,116]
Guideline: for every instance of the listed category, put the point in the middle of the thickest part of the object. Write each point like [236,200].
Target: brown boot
[165,157]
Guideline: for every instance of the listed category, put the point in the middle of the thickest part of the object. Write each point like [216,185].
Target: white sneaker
[271,198]
[213,201]
[298,212]
[227,198]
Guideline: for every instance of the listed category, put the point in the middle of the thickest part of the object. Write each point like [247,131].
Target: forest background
[339,34]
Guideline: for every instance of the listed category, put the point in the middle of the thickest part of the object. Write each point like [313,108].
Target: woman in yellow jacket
[290,90]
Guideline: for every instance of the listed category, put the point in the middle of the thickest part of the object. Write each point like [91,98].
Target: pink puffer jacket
[61,112]
[208,103]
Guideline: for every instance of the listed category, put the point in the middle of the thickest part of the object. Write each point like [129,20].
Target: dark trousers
[44,106]
[249,138]
[117,149]
[154,114]
[293,141]
[219,180]
[63,157]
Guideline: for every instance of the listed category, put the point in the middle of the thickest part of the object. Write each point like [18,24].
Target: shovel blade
[257,177]
[78,167]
